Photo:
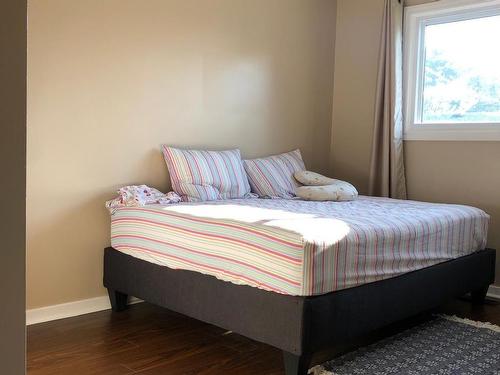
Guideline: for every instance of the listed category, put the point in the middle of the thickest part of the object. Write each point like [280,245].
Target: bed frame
[299,326]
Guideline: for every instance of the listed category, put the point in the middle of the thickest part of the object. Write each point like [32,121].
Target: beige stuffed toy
[320,188]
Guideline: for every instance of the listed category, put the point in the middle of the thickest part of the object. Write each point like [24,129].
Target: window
[452,71]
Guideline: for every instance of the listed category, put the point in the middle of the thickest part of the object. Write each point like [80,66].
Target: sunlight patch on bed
[318,230]
[246,214]
[310,227]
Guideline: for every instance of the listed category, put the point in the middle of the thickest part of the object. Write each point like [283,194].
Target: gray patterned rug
[444,345]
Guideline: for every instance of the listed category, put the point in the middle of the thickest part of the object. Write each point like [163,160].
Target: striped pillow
[206,175]
[272,177]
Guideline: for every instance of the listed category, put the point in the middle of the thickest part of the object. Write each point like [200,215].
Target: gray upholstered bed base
[299,326]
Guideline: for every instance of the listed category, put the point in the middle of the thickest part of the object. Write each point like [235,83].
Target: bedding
[299,247]
[272,176]
[199,175]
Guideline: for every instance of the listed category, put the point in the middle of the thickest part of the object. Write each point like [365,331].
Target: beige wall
[455,172]
[356,54]
[13,197]
[110,80]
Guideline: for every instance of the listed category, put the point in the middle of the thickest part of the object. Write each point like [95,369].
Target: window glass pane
[462,72]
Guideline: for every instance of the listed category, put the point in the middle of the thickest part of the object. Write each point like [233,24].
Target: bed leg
[479,295]
[296,365]
[118,300]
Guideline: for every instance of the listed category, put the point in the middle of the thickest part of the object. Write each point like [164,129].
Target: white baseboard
[70,309]
[86,306]
[494,292]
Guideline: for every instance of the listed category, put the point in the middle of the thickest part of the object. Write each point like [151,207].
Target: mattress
[297,247]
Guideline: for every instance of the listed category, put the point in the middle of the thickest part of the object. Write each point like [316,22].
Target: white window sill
[453,132]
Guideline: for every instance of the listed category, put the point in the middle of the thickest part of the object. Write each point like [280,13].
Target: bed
[298,275]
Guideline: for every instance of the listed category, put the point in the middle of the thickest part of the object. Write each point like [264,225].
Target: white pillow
[337,191]
[309,178]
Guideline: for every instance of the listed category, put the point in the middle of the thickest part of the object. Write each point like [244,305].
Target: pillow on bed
[272,177]
[198,175]
[337,191]
[309,178]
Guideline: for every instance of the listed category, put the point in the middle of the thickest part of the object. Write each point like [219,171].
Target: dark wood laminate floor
[148,340]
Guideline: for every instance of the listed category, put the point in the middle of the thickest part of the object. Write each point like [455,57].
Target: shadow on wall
[81,224]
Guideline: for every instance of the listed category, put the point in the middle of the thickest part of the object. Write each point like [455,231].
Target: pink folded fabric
[140,195]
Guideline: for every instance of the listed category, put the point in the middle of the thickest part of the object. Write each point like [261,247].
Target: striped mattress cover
[298,247]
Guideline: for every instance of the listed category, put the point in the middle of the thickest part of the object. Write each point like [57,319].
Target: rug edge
[320,370]
[474,323]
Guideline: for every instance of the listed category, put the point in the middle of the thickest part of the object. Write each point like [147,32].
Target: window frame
[416,19]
